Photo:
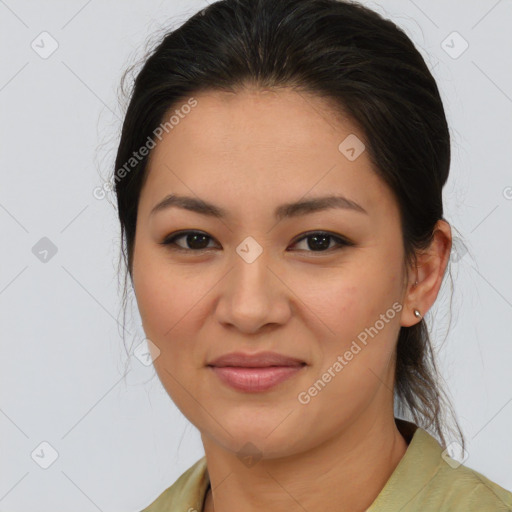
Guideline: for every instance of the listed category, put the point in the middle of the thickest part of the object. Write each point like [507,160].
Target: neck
[346,473]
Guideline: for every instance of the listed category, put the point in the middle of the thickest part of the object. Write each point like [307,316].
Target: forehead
[280,119]
[261,145]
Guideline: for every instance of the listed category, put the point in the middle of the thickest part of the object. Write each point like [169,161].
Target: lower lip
[254,380]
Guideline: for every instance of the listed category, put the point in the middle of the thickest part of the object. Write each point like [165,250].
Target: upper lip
[259,360]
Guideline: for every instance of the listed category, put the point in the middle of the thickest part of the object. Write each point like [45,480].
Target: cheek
[357,361]
[171,301]
[347,302]
[162,297]
[362,311]
[162,292]
[166,304]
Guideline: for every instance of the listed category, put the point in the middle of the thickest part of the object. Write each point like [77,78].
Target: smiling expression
[295,249]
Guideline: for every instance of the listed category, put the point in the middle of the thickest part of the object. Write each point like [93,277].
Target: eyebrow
[287,210]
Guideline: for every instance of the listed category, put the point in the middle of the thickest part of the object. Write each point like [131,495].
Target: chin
[257,439]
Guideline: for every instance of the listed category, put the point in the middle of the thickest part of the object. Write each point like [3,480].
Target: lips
[255,380]
[255,373]
[259,360]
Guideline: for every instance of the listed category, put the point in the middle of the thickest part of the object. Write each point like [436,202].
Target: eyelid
[341,241]
[170,239]
[335,236]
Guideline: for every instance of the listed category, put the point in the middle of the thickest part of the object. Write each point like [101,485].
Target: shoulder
[186,494]
[458,487]
[427,479]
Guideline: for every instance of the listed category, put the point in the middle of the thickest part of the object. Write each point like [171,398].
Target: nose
[253,296]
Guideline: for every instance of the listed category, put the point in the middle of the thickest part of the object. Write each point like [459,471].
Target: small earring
[417,314]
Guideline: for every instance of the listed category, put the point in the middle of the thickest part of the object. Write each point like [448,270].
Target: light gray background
[121,442]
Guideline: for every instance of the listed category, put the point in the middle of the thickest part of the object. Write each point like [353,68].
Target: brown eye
[320,241]
[194,241]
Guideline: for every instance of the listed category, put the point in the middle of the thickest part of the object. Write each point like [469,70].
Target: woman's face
[255,282]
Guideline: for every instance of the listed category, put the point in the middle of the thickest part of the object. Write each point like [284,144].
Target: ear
[428,274]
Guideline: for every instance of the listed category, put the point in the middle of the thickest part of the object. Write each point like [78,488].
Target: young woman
[279,182]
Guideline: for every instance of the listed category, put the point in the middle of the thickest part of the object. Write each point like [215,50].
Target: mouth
[257,372]
[250,379]
[257,360]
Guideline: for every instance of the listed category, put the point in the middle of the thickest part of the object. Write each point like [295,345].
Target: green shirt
[424,480]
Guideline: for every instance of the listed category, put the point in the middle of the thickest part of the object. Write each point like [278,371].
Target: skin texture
[249,152]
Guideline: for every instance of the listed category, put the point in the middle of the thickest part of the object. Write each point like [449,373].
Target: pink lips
[255,372]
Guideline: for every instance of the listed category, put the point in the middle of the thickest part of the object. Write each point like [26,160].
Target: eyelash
[170,241]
